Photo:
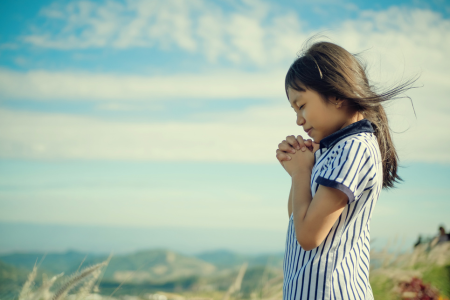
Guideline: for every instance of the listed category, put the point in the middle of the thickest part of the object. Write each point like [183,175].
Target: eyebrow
[297,99]
[294,101]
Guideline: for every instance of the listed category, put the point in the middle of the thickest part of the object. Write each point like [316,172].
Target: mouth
[308,132]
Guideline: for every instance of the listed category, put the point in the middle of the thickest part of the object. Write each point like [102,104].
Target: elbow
[308,247]
[306,242]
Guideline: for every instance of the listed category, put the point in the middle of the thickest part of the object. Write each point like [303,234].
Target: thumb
[316,146]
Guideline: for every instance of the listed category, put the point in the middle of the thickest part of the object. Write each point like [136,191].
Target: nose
[300,120]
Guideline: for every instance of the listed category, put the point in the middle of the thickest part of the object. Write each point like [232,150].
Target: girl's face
[318,117]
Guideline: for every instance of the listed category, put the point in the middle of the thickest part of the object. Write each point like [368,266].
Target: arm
[313,218]
[287,146]
[290,203]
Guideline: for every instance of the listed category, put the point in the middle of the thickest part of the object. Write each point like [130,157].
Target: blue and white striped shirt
[348,160]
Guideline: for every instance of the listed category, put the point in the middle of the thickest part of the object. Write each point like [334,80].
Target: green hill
[226,259]
[11,280]
[52,263]
[156,265]
[144,271]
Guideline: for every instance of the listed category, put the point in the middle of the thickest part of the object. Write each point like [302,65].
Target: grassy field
[423,273]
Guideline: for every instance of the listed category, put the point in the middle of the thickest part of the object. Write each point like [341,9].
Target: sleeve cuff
[337,185]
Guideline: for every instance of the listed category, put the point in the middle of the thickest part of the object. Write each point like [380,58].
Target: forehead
[294,95]
[295,89]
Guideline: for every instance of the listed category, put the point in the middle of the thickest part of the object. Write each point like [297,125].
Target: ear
[336,101]
[340,102]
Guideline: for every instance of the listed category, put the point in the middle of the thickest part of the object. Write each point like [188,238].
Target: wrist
[301,173]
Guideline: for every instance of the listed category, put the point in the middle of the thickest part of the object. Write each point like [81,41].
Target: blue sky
[113,111]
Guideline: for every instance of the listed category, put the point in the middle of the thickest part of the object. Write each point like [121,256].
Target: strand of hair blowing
[332,71]
[389,155]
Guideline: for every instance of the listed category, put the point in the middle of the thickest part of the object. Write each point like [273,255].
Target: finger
[293,142]
[286,147]
[301,142]
[309,144]
[282,156]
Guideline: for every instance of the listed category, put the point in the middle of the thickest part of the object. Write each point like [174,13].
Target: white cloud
[254,33]
[251,137]
[246,35]
[45,85]
[400,40]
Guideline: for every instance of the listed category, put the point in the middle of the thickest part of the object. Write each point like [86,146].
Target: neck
[353,119]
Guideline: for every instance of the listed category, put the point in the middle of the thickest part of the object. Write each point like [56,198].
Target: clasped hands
[296,155]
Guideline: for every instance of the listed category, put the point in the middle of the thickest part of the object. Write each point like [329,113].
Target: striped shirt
[348,160]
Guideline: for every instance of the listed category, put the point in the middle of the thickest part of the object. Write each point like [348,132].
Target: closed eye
[301,107]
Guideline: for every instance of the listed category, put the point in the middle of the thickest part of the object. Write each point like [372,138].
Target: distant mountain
[156,265]
[144,271]
[223,258]
[53,263]
[226,259]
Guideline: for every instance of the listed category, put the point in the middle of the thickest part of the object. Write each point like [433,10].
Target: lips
[308,131]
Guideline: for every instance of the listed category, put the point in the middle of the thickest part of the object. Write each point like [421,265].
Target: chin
[317,138]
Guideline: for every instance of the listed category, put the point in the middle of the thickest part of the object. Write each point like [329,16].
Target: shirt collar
[363,125]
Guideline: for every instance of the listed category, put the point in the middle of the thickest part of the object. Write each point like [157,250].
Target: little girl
[336,177]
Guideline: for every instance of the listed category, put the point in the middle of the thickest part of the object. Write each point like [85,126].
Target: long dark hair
[331,70]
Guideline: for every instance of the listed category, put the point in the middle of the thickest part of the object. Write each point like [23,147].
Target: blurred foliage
[428,264]
[147,273]
[439,277]
[11,280]
[383,288]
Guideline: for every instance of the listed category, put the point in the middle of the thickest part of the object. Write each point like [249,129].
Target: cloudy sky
[165,115]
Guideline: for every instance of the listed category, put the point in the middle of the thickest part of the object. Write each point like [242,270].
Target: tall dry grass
[88,275]
[236,285]
[394,268]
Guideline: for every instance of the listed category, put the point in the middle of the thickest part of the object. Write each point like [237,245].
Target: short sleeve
[349,168]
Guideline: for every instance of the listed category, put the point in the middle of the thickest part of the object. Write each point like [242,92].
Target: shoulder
[361,145]
[365,138]
[351,164]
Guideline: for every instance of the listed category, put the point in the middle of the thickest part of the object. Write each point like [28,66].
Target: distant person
[443,237]
[337,177]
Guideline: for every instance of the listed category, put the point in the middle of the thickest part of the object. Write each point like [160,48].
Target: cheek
[310,116]
[321,116]
[305,114]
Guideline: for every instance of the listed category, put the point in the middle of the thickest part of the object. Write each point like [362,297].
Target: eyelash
[299,107]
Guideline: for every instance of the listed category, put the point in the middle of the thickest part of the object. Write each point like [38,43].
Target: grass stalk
[26,289]
[76,279]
